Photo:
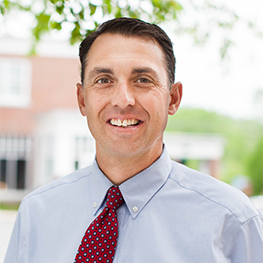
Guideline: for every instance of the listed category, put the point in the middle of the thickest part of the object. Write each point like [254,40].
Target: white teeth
[124,123]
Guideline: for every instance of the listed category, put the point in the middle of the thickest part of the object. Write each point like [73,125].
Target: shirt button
[95,204]
[135,209]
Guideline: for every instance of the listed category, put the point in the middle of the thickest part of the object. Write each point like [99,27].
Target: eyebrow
[97,70]
[144,70]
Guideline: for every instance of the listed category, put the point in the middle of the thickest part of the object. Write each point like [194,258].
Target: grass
[9,206]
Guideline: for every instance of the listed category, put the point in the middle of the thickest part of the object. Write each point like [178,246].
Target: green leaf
[75,34]
[42,25]
[107,4]
[133,14]
[55,25]
[72,11]
[118,13]
[81,14]
[60,9]
[53,1]
[6,3]
[2,10]
[4,6]
[43,19]
[92,9]
[156,3]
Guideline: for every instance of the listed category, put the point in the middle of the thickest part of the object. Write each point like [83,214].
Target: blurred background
[217,130]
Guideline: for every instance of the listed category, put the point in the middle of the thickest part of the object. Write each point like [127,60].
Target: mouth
[126,123]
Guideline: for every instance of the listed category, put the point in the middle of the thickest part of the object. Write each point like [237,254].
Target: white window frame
[21,99]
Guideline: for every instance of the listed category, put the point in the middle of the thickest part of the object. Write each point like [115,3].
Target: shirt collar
[138,190]
[99,185]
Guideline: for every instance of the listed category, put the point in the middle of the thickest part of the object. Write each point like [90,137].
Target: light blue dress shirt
[171,214]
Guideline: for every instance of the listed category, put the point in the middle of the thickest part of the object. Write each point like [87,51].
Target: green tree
[85,15]
[254,167]
[243,148]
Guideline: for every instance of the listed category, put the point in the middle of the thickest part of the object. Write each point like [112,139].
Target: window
[15,154]
[15,82]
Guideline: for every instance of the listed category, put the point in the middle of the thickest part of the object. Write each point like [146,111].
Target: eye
[103,81]
[143,80]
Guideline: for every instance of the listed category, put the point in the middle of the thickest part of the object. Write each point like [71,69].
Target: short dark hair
[131,27]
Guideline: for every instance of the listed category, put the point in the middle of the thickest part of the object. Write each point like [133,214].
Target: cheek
[158,103]
[97,109]
[95,102]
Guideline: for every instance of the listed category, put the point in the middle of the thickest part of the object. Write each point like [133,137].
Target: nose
[123,96]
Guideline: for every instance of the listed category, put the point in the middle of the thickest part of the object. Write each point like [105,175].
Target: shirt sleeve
[16,248]
[246,243]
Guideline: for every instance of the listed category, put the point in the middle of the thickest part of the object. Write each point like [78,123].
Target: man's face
[125,95]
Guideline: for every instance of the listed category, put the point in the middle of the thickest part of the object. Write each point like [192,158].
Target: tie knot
[114,198]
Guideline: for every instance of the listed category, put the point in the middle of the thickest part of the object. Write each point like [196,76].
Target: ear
[176,93]
[80,97]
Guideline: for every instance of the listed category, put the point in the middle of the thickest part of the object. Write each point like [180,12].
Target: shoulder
[62,184]
[214,192]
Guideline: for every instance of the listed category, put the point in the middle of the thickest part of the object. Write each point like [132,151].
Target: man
[164,212]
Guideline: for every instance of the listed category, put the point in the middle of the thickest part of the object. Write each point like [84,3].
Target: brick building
[30,88]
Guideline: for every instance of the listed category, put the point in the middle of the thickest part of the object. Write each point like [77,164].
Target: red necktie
[100,240]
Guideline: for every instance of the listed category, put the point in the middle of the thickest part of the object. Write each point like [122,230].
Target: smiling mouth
[125,123]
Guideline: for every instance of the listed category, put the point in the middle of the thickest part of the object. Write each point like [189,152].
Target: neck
[119,169]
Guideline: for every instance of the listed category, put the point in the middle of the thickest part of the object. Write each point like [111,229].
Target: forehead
[110,48]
